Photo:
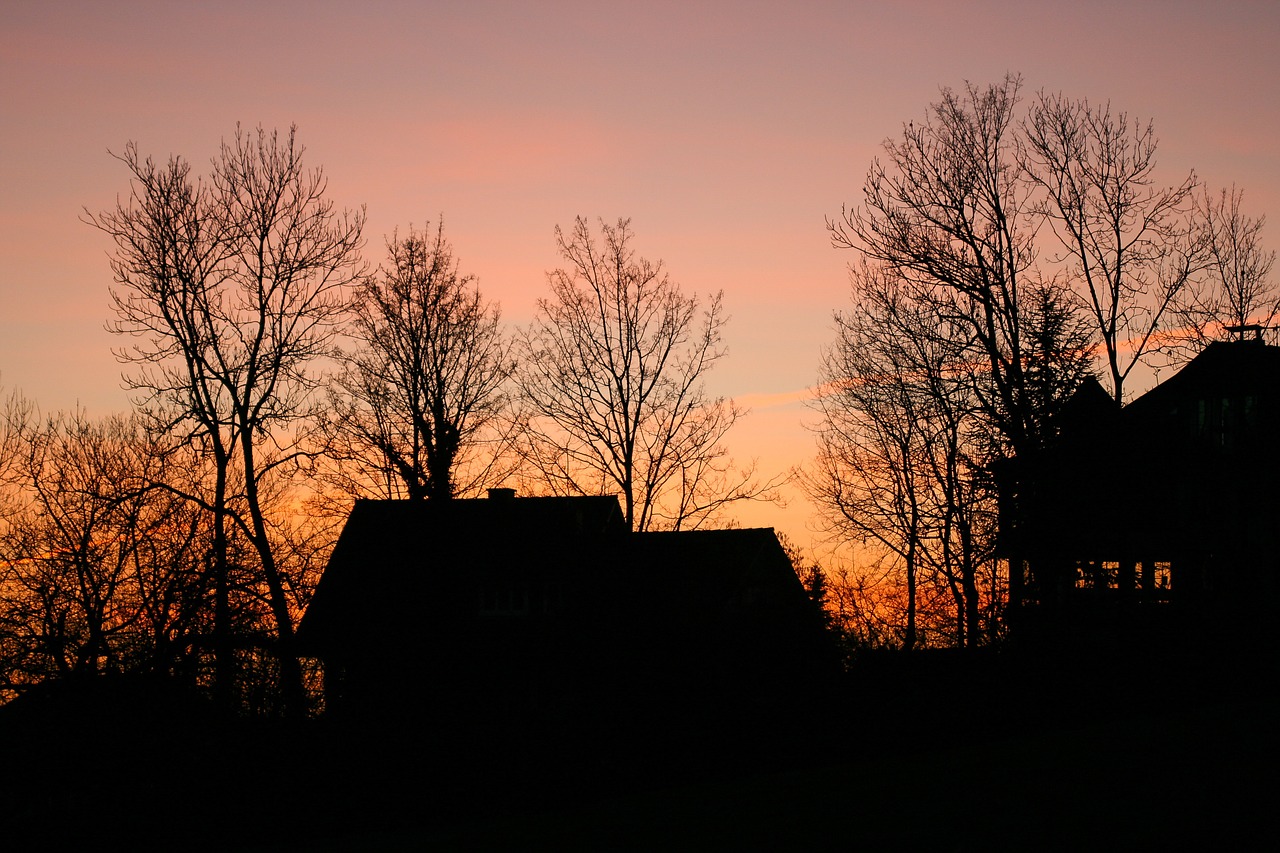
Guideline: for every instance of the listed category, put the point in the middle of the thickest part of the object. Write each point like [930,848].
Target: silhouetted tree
[612,375]
[1059,351]
[957,351]
[15,414]
[424,390]
[1236,290]
[902,445]
[230,288]
[814,580]
[871,444]
[945,213]
[1130,246]
[99,570]
[865,605]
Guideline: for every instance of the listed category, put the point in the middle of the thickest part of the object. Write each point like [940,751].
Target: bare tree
[956,352]
[100,569]
[870,446]
[16,412]
[945,212]
[230,288]
[612,374]
[950,233]
[901,449]
[1236,291]
[1128,243]
[421,402]
[169,253]
[864,607]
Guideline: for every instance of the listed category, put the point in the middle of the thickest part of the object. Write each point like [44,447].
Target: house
[1154,522]
[551,610]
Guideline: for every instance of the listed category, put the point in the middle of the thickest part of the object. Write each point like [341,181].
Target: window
[1095,574]
[1084,577]
[1162,576]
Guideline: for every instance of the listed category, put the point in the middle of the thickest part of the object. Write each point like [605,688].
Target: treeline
[277,376]
[1009,249]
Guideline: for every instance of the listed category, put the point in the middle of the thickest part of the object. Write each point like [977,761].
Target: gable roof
[702,564]
[393,557]
[405,570]
[1221,369]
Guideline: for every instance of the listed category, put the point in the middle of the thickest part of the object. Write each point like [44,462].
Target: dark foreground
[934,752]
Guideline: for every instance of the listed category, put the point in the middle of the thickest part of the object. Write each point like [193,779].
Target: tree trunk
[291,689]
[224,666]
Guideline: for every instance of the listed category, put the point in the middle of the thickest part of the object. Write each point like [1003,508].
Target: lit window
[1162,577]
[1084,576]
[1094,574]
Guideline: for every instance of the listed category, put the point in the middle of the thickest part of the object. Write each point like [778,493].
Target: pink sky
[726,131]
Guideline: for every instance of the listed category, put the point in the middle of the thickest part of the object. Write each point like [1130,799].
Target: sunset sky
[726,131]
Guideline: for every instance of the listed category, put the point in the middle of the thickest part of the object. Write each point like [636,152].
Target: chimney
[501,494]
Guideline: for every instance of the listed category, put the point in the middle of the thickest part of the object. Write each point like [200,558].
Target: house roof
[394,557]
[1187,468]
[402,568]
[1090,401]
[707,560]
[1222,369]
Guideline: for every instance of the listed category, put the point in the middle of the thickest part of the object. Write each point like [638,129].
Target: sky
[726,132]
